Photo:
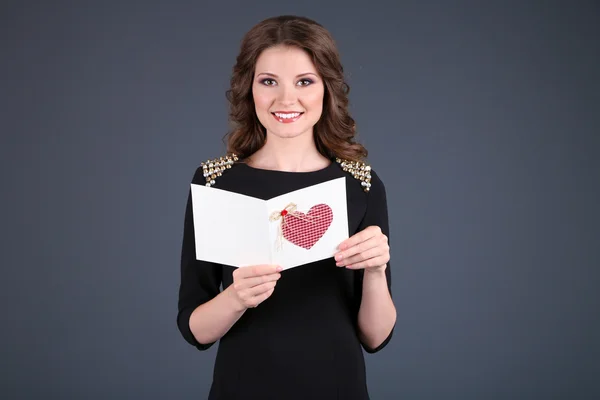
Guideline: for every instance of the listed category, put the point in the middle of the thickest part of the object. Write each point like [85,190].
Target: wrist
[376,271]
[234,302]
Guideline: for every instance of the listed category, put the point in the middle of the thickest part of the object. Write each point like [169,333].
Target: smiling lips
[287,117]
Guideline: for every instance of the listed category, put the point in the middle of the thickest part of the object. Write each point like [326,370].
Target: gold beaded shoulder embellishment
[212,169]
[359,170]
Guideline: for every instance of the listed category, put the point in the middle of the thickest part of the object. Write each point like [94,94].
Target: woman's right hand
[254,284]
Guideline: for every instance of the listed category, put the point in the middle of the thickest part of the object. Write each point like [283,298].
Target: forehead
[284,60]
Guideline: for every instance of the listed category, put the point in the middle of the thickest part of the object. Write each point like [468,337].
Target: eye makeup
[271,81]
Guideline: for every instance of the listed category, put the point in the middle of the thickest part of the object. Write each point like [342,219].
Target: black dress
[302,342]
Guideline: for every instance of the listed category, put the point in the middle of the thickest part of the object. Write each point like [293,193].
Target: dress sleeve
[377,215]
[200,280]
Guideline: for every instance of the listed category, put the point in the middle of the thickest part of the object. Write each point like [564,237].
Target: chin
[289,133]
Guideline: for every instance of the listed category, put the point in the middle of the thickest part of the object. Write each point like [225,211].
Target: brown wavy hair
[335,131]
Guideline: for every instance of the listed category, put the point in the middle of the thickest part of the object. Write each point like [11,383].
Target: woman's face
[288,92]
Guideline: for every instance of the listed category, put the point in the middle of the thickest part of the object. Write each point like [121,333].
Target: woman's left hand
[367,249]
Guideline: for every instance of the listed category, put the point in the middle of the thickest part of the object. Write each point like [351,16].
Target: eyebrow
[275,76]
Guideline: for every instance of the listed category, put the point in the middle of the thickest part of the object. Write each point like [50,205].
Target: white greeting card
[293,229]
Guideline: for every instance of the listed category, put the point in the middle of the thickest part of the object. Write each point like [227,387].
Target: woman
[299,333]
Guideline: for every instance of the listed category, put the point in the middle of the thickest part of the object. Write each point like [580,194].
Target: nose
[287,95]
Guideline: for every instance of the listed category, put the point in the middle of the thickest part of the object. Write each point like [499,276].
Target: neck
[297,154]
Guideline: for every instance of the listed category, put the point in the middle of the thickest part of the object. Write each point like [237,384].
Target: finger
[259,299]
[258,290]
[257,270]
[357,248]
[369,263]
[242,284]
[362,256]
[359,237]
[257,280]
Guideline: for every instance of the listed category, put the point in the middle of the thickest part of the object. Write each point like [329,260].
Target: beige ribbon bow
[276,215]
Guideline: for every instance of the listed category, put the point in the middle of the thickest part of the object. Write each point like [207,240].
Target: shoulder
[210,170]
[362,172]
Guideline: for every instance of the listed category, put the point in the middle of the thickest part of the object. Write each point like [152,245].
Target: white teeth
[292,115]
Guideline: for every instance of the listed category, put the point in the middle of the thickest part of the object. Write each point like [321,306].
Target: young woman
[299,333]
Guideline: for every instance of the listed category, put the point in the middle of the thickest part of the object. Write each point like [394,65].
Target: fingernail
[279,268]
[338,257]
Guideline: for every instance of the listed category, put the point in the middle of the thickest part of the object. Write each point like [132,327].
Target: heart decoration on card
[304,230]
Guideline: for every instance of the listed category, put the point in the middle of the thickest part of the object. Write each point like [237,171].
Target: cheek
[314,100]
[261,100]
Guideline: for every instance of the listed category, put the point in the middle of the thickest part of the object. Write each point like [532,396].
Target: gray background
[482,119]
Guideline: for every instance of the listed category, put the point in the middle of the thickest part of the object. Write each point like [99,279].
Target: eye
[268,82]
[305,82]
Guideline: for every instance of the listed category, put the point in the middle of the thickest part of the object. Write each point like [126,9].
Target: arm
[213,319]
[199,288]
[367,252]
[251,286]
[377,313]
[205,313]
